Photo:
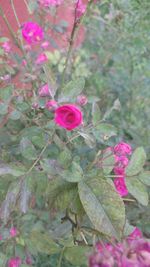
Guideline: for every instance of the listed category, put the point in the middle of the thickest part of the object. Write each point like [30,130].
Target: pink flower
[121,161]
[122,149]
[45,44]
[136,233]
[48,3]
[6,46]
[28,260]
[119,171]
[80,9]
[44,90]
[32,32]
[1,238]
[68,116]
[121,186]
[13,232]
[24,62]
[51,105]
[82,100]
[14,262]
[42,58]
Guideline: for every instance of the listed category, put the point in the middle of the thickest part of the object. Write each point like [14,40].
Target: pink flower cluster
[121,151]
[32,32]
[132,252]
[13,232]
[48,3]
[14,262]
[80,9]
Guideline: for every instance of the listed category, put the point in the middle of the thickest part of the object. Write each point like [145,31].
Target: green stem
[61,257]
[15,14]
[75,29]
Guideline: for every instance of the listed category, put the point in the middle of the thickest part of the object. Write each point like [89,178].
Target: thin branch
[15,14]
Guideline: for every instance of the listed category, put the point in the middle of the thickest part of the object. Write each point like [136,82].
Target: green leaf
[43,243]
[128,229]
[104,131]
[60,193]
[3,108]
[51,166]
[27,149]
[15,115]
[137,161]
[75,175]
[72,90]
[6,93]
[77,255]
[11,169]
[103,206]
[137,189]
[96,114]
[108,161]
[144,177]
[88,138]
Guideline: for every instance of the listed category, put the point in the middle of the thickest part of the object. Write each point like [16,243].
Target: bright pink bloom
[119,171]
[42,58]
[24,62]
[82,100]
[68,116]
[48,3]
[80,9]
[51,105]
[32,32]
[13,232]
[45,44]
[121,161]
[6,46]
[135,234]
[44,90]
[122,149]
[14,262]
[121,186]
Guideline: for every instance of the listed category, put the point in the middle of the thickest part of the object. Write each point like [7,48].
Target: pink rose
[123,149]
[44,90]
[136,233]
[13,232]
[122,161]
[80,9]
[14,262]
[68,116]
[45,44]
[119,171]
[82,100]
[47,3]
[121,186]
[42,58]
[6,46]
[51,105]
[32,32]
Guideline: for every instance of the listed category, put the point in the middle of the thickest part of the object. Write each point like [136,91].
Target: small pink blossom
[32,32]
[121,186]
[14,262]
[68,116]
[122,149]
[1,238]
[80,9]
[44,90]
[136,233]
[29,260]
[13,232]
[119,171]
[35,105]
[6,46]
[48,3]
[42,58]
[121,161]
[51,105]
[82,100]
[45,44]
[24,62]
